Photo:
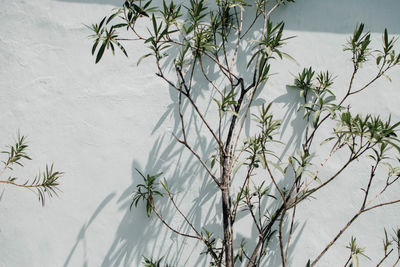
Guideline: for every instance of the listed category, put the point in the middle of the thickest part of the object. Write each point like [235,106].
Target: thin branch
[335,238]
[199,158]
[380,73]
[21,185]
[198,111]
[361,211]
[252,23]
[282,251]
[236,205]
[384,189]
[170,227]
[290,232]
[184,216]
[382,204]
[208,79]
[384,258]
[238,36]
[272,178]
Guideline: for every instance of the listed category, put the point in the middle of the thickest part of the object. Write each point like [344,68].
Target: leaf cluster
[315,90]
[358,45]
[16,153]
[150,262]
[388,56]
[369,129]
[355,250]
[44,184]
[106,37]
[147,191]
[269,46]
[256,146]
[201,34]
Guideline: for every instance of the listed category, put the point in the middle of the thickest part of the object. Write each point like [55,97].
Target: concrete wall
[98,123]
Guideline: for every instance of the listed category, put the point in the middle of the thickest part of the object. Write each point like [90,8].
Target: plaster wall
[98,123]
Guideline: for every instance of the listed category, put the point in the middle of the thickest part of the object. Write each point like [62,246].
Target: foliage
[153,263]
[146,192]
[197,39]
[45,184]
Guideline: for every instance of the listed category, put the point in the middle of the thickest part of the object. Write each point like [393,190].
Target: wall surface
[98,122]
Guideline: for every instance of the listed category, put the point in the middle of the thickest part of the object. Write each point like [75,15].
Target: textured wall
[98,123]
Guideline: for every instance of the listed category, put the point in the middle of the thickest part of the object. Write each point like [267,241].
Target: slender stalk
[335,238]
[282,250]
[384,258]
[184,216]
[169,226]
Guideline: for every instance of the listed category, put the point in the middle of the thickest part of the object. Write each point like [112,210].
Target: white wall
[98,123]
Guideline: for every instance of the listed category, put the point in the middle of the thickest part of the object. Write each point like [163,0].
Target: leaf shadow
[81,238]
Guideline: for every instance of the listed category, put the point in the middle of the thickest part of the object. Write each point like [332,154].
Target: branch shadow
[135,232]
[81,238]
[292,117]
[135,235]
[138,236]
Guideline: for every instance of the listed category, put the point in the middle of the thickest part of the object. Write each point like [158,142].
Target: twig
[199,158]
[170,227]
[384,258]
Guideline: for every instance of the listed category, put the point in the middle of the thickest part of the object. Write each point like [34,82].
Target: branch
[384,258]
[198,111]
[184,217]
[382,204]
[290,232]
[361,211]
[282,251]
[335,238]
[238,35]
[169,227]
[198,157]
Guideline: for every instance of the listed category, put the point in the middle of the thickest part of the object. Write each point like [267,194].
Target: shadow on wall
[136,234]
[339,16]
[81,238]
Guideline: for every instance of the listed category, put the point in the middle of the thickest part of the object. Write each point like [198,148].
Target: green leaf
[143,57]
[113,16]
[120,25]
[238,165]
[101,23]
[378,60]
[287,56]
[95,45]
[386,38]
[165,185]
[329,99]
[148,208]
[387,77]
[153,19]
[327,140]
[122,48]
[101,51]
[276,166]
[316,117]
